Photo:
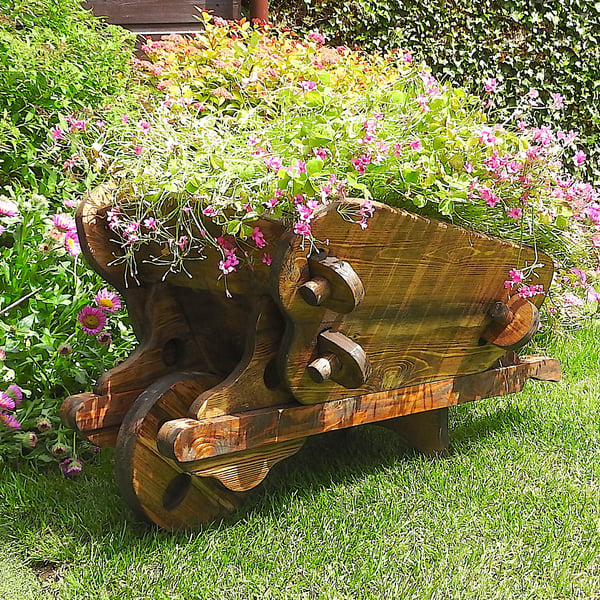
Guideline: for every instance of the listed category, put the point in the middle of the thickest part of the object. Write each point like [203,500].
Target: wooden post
[259,9]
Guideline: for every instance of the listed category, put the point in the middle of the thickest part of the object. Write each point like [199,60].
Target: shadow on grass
[91,509]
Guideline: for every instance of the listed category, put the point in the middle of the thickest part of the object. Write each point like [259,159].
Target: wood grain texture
[426,432]
[142,12]
[254,382]
[188,440]
[428,289]
[146,478]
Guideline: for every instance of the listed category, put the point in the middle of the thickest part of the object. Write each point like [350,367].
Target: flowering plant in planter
[239,123]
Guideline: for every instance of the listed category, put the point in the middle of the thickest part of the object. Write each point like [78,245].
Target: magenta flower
[315,36]
[468,167]
[72,243]
[92,320]
[579,158]
[138,150]
[301,166]
[10,420]
[407,58]
[57,133]
[308,86]
[229,263]
[557,101]
[2,354]
[302,229]
[150,223]
[416,145]
[273,162]
[144,126]
[108,301]
[515,213]
[8,208]
[105,339]
[320,153]
[64,222]
[71,467]
[125,118]
[491,85]
[267,259]
[15,392]
[258,238]
[6,402]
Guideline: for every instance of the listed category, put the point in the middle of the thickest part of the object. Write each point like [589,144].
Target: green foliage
[55,58]
[552,46]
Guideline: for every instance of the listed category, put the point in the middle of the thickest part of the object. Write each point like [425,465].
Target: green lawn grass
[512,512]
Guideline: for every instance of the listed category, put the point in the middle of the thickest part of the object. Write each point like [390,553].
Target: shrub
[240,122]
[55,60]
[553,47]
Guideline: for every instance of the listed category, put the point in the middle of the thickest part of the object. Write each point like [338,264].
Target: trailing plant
[240,123]
[553,47]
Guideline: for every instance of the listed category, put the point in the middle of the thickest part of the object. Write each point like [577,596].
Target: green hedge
[55,58]
[551,45]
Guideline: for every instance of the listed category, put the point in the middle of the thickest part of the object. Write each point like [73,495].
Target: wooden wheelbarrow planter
[391,325]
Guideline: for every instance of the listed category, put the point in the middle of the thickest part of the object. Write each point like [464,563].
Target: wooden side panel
[188,440]
[428,289]
[175,12]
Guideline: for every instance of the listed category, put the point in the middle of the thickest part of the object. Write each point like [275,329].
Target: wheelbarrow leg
[426,432]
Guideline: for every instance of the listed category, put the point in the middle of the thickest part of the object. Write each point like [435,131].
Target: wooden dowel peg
[501,314]
[315,291]
[324,367]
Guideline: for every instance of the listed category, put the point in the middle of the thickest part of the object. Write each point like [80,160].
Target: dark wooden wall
[161,16]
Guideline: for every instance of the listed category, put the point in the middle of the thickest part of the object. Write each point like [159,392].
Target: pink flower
[557,101]
[14,392]
[6,402]
[301,166]
[125,118]
[302,229]
[416,145]
[528,291]
[258,238]
[491,85]
[273,162]
[468,167]
[579,158]
[100,124]
[72,243]
[144,126]
[108,301]
[10,420]
[8,208]
[320,153]
[515,213]
[71,467]
[64,222]
[315,36]
[2,354]
[487,136]
[308,86]
[267,259]
[407,58]
[138,150]
[229,263]
[533,95]
[209,211]
[150,223]
[105,339]
[57,133]
[92,320]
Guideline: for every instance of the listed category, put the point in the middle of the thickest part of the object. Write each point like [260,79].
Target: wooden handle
[324,367]
[315,291]
[513,324]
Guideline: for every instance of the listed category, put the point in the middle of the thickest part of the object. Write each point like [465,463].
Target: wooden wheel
[155,487]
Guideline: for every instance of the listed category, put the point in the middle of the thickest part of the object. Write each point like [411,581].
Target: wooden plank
[428,288]
[191,441]
[426,432]
[137,12]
